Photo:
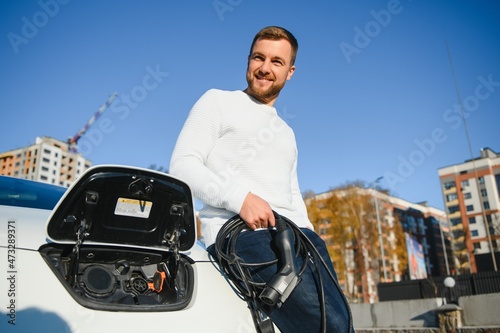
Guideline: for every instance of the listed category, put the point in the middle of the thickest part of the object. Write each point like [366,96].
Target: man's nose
[265,68]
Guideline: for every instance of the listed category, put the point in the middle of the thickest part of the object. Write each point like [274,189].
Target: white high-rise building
[48,160]
[471,193]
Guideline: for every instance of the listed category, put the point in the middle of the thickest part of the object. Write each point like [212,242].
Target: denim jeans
[301,312]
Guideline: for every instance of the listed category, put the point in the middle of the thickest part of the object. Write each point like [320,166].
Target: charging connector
[286,279]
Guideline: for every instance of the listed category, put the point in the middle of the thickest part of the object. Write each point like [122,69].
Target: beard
[263,94]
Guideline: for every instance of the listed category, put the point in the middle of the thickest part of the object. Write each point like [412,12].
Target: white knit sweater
[231,145]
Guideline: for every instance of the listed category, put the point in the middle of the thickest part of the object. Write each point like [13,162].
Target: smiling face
[270,65]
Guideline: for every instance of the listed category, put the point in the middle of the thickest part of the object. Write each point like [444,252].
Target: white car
[118,253]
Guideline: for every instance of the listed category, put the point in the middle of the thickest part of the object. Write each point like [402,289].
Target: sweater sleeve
[297,200]
[198,137]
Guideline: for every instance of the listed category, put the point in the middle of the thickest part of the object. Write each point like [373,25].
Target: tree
[399,249]
[346,219]
[158,168]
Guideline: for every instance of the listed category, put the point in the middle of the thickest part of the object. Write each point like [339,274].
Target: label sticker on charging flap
[133,208]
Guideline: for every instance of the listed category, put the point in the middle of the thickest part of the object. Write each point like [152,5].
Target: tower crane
[73,141]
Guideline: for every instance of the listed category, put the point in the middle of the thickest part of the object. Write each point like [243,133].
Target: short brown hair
[277,33]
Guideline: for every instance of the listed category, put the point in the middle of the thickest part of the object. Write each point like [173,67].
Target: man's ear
[290,72]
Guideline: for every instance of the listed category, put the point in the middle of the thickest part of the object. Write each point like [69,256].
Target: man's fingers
[272,220]
[262,222]
[257,213]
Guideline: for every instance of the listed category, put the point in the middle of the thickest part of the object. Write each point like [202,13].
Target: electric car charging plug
[158,281]
[286,279]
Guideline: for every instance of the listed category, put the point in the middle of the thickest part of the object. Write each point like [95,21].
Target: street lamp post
[382,252]
[443,244]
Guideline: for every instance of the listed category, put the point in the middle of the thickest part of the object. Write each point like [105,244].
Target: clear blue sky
[373,94]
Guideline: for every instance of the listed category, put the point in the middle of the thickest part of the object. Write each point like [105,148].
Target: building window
[477,246]
[451,197]
[472,220]
[469,208]
[467,195]
[455,222]
[46,151]
[481,180]
[453,209]
[486,205]
[449,185]
[484,193]
[497,181]
[465,183]
[46,160]
[474,233]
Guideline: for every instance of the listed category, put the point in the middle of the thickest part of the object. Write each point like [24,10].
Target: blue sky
[373,94]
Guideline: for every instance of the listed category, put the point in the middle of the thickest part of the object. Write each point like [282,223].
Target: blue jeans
[301,312]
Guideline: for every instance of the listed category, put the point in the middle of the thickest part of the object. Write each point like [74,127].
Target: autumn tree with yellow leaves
[345,218]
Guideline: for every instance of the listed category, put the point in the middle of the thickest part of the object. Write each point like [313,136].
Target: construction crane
[73,141]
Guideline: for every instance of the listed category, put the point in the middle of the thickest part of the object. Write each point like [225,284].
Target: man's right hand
[256,212]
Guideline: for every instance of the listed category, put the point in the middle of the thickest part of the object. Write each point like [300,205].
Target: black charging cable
[290,242]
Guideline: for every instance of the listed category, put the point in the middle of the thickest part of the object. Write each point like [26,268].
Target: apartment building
[471,193]
[47,160]
[394,239]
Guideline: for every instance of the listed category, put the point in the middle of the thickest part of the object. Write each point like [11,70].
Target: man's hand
[256,212]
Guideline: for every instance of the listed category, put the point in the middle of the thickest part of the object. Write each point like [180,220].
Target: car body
[116,251]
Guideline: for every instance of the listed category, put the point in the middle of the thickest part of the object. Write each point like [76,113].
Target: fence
[465,285]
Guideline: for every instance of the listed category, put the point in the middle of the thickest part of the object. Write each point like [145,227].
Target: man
[240,157]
